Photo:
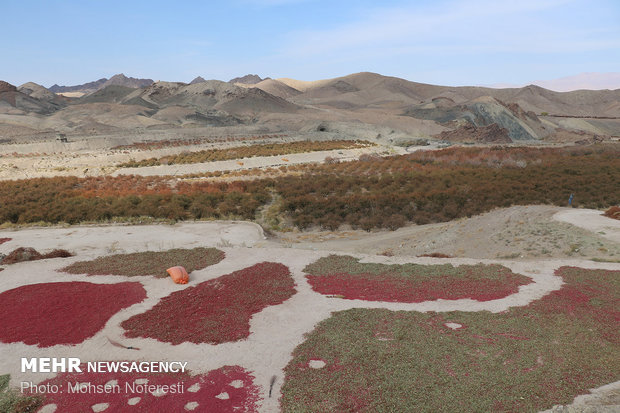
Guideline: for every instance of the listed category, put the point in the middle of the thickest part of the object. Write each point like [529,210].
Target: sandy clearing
[591,220]
[115,239]
[275,332]
[102,162]
[518,232]
[249,163]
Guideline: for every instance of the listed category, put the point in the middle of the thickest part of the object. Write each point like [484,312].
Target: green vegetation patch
[525,359]
[239,152]
[11,401]
[148,263]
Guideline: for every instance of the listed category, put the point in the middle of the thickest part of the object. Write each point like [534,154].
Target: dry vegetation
[148,263]
[22,254]
[239,152]
[171,143]
[613,212]
[374,193]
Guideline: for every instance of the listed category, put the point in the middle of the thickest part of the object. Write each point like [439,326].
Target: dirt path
[591,220]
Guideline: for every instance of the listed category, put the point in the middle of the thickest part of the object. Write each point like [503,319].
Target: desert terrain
[349,223]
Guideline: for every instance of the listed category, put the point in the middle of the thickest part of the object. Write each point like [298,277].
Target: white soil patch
[133,401]
[159,393]
[316,364]
[453,326]
[191,406]
[100,407]
[237,384]
[194,388]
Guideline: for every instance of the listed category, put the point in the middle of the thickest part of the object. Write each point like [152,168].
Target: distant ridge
[247,79]
[78,88]
[118,80]
[582,81]
[198,79]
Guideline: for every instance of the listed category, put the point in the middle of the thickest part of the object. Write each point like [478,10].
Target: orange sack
[178,274]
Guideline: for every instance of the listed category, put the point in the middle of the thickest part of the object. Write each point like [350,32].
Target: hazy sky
[457,42]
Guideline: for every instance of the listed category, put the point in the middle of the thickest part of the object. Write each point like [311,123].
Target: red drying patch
[371,287]
[215,311]
[183,389]
[582,297]
[3,240]
[62,313]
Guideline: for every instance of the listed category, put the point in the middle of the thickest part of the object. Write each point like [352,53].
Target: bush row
[376,193]
[239,152]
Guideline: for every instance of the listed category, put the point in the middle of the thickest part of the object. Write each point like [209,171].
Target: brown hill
[122,80]
[274,87]
[37,91]
[247,80]
[212,95]
[372,90]
[14,100]
[197,79]
[6,87]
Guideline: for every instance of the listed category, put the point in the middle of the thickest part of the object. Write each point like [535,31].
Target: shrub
[613,212]
[22,254]
[269,149]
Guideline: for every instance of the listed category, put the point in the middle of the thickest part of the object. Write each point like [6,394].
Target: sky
[447,42]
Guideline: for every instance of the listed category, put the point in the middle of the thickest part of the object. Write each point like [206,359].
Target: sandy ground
[591,220]
[519,232]
[275,331]
[91,158]
[249,163]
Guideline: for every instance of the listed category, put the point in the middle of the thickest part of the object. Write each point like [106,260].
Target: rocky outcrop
[6,87]
[198,79]
[481,134]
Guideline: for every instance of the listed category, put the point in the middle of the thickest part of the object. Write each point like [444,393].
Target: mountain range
[582,81]
[118,80]
[364,105]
